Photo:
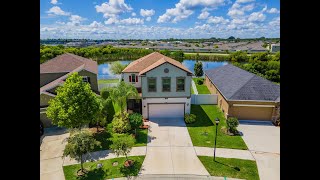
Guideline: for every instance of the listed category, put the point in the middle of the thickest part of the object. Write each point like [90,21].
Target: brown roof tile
[151,61]
[68,62]
[59,81]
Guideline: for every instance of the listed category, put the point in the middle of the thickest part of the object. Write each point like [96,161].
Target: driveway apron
[51,151]
[170,149]
[263,141]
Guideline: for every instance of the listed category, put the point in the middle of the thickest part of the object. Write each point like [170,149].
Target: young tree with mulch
[80,143]
[122,145]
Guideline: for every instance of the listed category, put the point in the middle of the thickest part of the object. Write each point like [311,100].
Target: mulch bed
[128,163]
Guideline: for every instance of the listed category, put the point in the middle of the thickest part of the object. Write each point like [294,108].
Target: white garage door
[166,111]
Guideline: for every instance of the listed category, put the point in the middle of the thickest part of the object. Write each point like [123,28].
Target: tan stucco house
[164,85]
[243,94]
[54,72]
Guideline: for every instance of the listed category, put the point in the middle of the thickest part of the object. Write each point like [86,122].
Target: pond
[104,71]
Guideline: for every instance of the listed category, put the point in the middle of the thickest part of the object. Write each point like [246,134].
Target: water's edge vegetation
[263,64]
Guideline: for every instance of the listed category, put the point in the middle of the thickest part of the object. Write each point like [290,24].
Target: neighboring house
[275,47]
[243,94]
[164,86]
[54,72]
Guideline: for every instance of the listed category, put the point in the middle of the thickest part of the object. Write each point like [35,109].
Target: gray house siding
[48,77]
[44,99]
[159,73]
[93,79]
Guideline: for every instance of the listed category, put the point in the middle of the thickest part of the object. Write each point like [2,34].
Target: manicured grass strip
[230,167]
[202,132]
[142,137]
[107,81]
[107,171]
[202,89]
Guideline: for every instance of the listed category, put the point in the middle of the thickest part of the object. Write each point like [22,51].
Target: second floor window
[180,84]
[133,78]
[86,79]
[166,82]
[152,85]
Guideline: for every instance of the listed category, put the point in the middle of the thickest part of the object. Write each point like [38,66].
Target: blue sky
[154,19]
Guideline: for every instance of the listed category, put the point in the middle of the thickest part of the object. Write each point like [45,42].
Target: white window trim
[85,79]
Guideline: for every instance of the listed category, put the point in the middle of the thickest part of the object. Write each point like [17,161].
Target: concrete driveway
[263,141]
[51,151]
[170,149]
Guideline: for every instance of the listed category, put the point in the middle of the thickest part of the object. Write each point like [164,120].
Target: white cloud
[118,31]
[56,10]
[96,24]
[273,11]
[204,15]
[256,17]
[133,14]
[111,20]
[203,27]
[148,19]
[217,20]
[128,21]
[146,13]
[275,22]
[244,1]
[238,21]
[182,9]
[174,15]
[237,10]
[248,7]
[113,8]
[75,20]
[54,2]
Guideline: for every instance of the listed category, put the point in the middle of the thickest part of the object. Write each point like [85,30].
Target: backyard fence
[204,99]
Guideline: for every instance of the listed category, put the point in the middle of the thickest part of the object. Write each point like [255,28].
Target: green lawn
[107,81]
[107,171]
[229,167]
[202,89]
[202,132]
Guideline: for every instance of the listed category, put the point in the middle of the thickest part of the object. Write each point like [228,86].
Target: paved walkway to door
[170,149]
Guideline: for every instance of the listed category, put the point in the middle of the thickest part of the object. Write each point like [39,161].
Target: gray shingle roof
[237,84]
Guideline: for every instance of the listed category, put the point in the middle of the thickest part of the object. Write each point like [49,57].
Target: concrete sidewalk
[225,153]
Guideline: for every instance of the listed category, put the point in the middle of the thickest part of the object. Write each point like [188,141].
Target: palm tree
[121,93]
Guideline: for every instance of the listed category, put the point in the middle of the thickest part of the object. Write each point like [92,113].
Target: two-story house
[164,85]
[54,72]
